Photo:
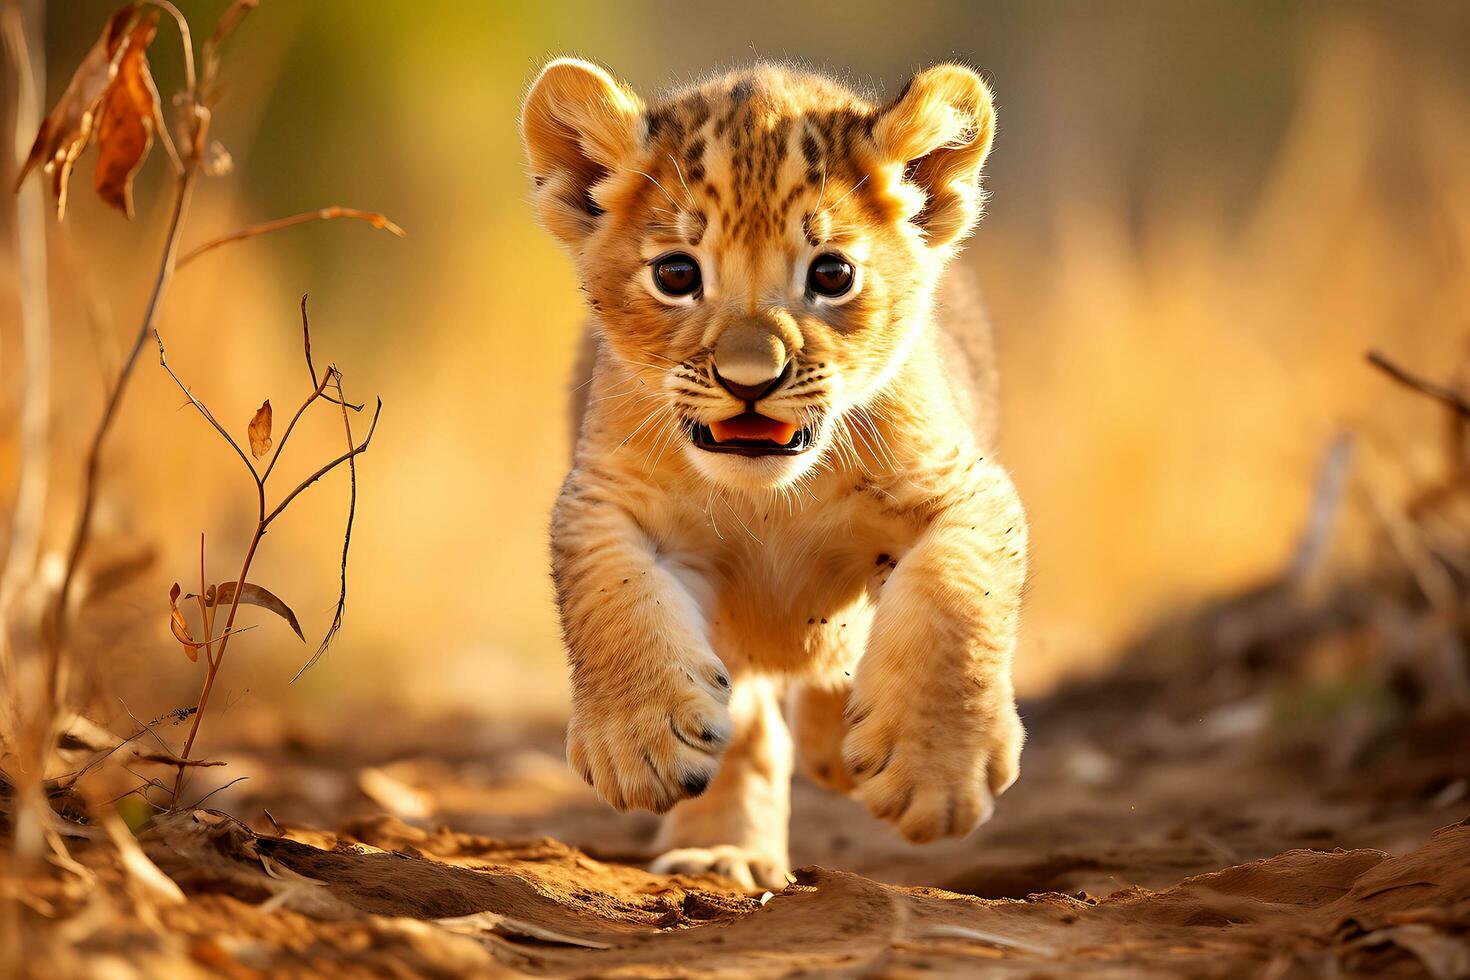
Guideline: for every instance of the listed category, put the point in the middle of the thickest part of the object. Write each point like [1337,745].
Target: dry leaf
[260,431]
[67,130]
[254,595]
[479,923]
[158,887]
[180,626]
[394,795]
[129,111]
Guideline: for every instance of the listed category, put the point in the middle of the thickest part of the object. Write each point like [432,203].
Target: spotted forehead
[747,149]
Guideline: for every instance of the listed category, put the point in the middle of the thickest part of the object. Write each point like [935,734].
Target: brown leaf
[254,595]
[180,626]
[70,126]
[129,110]
[260,430]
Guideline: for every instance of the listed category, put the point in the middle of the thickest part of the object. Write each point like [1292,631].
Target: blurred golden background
[1202,216]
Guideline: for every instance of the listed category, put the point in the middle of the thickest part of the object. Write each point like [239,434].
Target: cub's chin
[752,452]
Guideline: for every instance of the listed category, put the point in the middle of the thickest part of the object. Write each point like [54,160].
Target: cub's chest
[780,577]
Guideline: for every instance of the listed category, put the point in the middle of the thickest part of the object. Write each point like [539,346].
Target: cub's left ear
[937,134]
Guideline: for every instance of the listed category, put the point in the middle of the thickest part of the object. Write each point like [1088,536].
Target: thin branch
[144,726]
[69,780]
[1453,399]
[311,368]
[221,637]
[57,667]
[186,40]
[213,669]
[169,759]
[341,610]
[262,523]
[145,783]
[220,789]
[329,467]
[203,608]
[204,410]
[281,446]
[226,24]
[266,227]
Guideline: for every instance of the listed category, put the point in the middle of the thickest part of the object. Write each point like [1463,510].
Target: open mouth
[752,434]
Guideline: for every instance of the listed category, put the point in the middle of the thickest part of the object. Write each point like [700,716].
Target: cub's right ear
[579,124]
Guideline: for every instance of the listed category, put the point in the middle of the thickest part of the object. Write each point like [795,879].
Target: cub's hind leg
[818,725]
[738,826]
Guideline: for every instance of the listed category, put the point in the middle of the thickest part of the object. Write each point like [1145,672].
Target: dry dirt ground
[1141,840]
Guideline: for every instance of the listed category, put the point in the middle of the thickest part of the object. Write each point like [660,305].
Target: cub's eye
[829,275]
[677,274]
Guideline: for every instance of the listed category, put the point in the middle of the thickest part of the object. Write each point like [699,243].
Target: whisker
[670,435]
[687,192]
[844,197]
[649,418]
[677,206]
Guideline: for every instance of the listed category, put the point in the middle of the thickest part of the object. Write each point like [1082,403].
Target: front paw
[932,773]
[647,746]
[750,869]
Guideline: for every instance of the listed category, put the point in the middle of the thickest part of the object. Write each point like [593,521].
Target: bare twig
[226,25]
[186,41]
[341,609]
[143,726]
[219,789]
[350,454]
[204,616]
[203,410]
[310,367]
[265,227]
[291,427]
[57,666]
[169,759]
[1456,401]
[263,522]
[189,160]
[217,639]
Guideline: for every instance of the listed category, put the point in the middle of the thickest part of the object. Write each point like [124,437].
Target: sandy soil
[1140,841]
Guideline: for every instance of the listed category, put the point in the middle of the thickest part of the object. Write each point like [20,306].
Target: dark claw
[696,783]
[897,809]
[867,767]
[706,734]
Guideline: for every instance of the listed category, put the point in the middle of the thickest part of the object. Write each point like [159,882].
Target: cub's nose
[749,361]
[751,393]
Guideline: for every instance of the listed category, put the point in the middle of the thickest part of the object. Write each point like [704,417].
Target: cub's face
[762,250]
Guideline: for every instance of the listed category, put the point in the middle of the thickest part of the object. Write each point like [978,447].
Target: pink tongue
[753,426]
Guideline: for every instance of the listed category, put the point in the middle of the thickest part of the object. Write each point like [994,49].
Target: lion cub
[784,483]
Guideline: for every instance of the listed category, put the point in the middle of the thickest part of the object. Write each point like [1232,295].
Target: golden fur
[873,580]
